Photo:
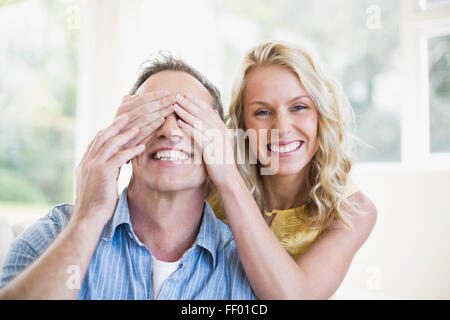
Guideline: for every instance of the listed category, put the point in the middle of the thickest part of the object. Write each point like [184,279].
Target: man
[160,239]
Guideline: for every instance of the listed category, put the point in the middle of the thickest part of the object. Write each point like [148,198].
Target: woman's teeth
[286,148]
[170,155]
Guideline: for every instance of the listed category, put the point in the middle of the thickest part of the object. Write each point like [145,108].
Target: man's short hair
[164,61]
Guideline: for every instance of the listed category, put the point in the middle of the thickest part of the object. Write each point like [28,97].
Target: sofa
[8,232]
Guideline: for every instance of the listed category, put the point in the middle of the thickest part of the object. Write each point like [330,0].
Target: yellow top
[287,225]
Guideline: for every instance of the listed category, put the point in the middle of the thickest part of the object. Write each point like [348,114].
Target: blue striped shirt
[121,266]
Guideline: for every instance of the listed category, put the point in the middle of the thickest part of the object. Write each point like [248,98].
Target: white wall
[407,255]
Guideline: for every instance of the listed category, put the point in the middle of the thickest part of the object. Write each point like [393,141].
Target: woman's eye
[262,113]
[299,107]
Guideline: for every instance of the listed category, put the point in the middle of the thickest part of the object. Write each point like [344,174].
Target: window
[439,93]
[38,63]
[426,4]
[426,34]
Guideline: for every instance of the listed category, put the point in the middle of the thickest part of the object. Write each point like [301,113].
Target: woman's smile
[285,148]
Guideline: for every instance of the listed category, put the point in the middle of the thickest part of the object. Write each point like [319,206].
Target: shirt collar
[121,216]
[208,236]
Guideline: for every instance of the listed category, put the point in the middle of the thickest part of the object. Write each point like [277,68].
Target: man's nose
[170,130]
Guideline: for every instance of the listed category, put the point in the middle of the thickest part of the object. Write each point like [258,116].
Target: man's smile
[170,155]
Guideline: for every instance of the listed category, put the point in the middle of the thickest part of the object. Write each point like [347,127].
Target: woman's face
[274,98]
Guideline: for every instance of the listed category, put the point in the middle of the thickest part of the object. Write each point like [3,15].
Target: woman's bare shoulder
[363,221]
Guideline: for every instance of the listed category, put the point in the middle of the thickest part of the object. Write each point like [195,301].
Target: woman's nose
[282,122]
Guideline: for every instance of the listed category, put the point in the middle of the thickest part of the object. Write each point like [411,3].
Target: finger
[186,127]
[145,119]
[197,138]
[107,133]
[188,105]
[125,99]
[198,108]
[112,145]
[128,97]
[194,133]
[186,116]
[86,154]
[145,131]
[150,107]
[201,104]
[141,99]
[88,149]
[126,155]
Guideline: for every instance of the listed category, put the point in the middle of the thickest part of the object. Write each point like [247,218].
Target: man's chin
[170,164]
[174,182]
[172,187]
[172,178]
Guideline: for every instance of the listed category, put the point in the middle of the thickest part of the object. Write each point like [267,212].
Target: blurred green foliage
[37,102]
[15,187]
[5,2]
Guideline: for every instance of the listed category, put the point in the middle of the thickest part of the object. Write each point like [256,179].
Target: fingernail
[121,118]
[179,97]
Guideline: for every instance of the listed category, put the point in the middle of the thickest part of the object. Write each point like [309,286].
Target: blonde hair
[331,164]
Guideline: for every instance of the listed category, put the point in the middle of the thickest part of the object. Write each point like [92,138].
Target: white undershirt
[161,271]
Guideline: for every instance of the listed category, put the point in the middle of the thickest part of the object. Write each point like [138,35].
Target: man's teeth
[171,155]
[286,148]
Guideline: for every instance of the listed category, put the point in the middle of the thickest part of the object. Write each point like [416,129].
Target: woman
[296,230]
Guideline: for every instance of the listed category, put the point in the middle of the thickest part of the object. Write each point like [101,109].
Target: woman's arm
[329,257]
[271,271]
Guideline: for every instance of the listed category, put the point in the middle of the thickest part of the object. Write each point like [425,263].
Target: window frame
[417,26]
